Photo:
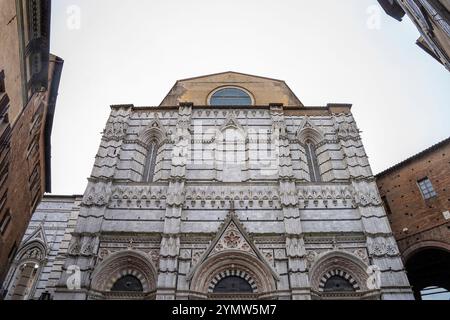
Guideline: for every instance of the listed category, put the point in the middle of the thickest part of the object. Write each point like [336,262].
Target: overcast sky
[345,51]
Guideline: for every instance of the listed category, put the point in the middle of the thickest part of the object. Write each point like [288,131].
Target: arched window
[313,164]
[231,147]
[25,282]
[150,163]
[337,284]
[230,97]
[233,284]
[128,283]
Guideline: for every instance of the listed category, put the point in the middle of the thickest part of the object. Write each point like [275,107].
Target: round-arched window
[128,283]
[230,97]
[337,284]
[232,284]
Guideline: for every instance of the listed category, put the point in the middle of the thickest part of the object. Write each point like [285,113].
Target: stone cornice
[328,110]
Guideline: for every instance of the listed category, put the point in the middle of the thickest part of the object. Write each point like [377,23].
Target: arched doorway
[233,275]
[124,275]
[339,275]
[428,272]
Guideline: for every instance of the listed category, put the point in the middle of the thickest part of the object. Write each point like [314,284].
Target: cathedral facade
[231,188]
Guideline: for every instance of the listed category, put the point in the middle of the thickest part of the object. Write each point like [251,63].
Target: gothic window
[313,165]
[128,283]
[230,97]
[233,284]
[337,284]
[25,280]
[426,188]
[150,164]
[232,147]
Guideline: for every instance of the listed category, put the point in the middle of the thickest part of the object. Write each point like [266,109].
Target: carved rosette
[232,239]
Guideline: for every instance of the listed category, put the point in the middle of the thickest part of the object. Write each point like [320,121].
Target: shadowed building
[231,188]
[432,19]
[37,264]
[29,81]
[416,195]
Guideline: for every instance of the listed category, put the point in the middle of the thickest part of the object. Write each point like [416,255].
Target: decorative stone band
[341,273]
[327,195]
[235,273]
[97,194]
[383,247]
[115,129]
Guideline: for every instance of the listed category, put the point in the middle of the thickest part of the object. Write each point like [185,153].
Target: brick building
[29,81]
[416,195]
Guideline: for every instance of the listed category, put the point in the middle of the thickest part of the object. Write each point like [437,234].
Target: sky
[346,51]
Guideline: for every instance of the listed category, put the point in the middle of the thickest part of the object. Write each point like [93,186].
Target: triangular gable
[232,122]
[37,235]
[154,130]
[229,72]
[232,236]
[308,130]
[197,89]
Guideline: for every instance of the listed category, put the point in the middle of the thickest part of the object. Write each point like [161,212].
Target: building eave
[52,97]
[414,157]
[392,9]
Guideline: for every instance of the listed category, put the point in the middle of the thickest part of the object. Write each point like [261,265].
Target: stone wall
[44,244]
[199,221]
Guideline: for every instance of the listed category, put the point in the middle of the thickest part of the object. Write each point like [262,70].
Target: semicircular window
[230,97]
[233,284]
[337,284]
[128,283]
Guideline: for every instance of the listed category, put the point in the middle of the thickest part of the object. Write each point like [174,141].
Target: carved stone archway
[233,262]
[26,270]
[118,265]
[424,245]
[340,273]
[344,265]
[154,131]
[428,265]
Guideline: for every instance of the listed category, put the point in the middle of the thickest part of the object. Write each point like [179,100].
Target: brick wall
[414,219]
